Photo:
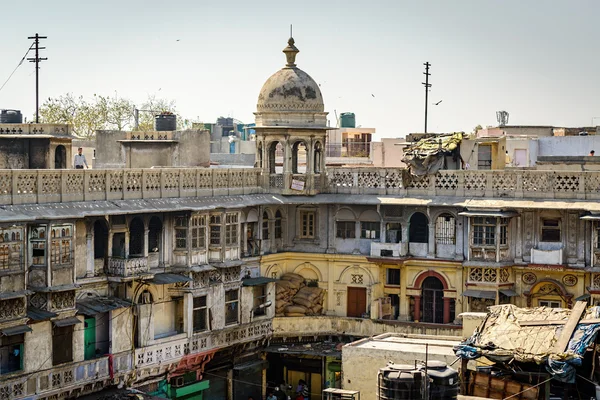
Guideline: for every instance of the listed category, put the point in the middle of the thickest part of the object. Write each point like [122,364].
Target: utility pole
[427,86]
[37,61]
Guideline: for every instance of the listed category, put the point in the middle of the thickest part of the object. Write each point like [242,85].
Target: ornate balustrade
[50,186]
[34,129]
[173,351]
[46,186]
[530,184]
[125,267]
[77,376]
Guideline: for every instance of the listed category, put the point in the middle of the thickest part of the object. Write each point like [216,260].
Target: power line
[37,61]
[18,65]
[427,86]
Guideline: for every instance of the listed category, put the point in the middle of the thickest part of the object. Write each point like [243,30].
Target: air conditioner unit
[177,381]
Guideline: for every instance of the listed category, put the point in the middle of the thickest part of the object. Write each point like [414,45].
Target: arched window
[275,150]
[345,224]
[136,237]
[265,226]
[259,155]
[445,229]
[278,230]
[370,225]
[60,157]
[418,231]
[100,240]
[298,153]
[318,154]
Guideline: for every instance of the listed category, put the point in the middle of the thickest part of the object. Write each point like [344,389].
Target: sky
[538,60]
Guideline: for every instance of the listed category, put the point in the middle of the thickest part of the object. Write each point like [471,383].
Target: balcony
[545,254]
[387,249]
[128,267]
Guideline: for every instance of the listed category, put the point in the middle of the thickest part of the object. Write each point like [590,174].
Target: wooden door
[357,302]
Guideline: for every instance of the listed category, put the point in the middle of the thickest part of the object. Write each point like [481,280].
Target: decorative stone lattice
[596,281]
[369,180]
[201,279]
[133,181]
[188,180]
[171,181]
[75,182]
[39,300]
[5,183]
[236,178]
[504,184]
[566,182]
[97,182]
[569,280]
[152,181]
[504,275]
[357,278]
[276,181]
[116,181]
[26,183]
[446,181]
[475,181]
[251,178]
[536,182]
[232,274]
[205,179]
[419,183]
[393,180]
[529,278]
[341,178]
[220,178]
[12,308]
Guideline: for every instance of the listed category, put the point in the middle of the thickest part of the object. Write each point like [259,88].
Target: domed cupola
[291,128]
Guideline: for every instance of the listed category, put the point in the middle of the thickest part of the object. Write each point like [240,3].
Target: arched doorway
[136,238]
[318,158]
[432,293]
[154,242]
[418,231]
[275,150]
[60,157]
[100,244]
[299,158]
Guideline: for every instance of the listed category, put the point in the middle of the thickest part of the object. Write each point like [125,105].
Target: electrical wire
[529,388]
[18,65]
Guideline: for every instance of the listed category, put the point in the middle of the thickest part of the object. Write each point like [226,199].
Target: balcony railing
[46,186]
[126,267]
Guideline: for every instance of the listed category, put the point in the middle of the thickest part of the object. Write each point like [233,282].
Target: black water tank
[401,382]
[11,117]
[444,383]
[165,122]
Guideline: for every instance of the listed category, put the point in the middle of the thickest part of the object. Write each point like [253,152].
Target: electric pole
[37,61]
[427,86]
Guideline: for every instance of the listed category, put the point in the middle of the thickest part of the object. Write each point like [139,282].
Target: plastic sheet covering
[426,157]
[501,338]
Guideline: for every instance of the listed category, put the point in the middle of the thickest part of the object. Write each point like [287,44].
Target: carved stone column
[90,253]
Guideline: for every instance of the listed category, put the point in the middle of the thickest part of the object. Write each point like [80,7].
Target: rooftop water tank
[401,382]
[11,117]
[165,122]
[347,120]
[444,383]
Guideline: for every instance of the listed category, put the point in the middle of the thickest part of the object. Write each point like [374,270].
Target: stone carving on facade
[39,300]
[12,308]
[569,280]
[201,279]
[357,279]
[480,305]
[63,300]
[528,232]
[529,278]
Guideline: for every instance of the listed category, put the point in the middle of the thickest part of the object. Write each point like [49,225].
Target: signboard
[297,185]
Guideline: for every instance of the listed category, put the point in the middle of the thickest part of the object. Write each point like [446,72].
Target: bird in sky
[372,95]
[435,104]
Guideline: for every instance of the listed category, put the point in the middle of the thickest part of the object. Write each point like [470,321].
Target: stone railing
[529,184]
[74,377]
[34,129]
[331,325]
[150,135]
[173,351]
[125,267]
[49,186]
[54,186]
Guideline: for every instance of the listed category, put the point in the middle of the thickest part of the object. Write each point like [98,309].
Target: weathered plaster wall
[121,324]
[38,347]
[109,152]
[148,154]
[81,250]
[14,154]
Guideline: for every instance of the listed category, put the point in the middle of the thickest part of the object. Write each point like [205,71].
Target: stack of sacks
[295,299]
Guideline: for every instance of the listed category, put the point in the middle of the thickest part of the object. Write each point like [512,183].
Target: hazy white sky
[536,59]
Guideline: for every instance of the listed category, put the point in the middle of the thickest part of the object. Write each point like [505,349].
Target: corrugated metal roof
[15,330]
[480,294]
[202,268]
[488,213]
[166,278]
[257,281]
[37,315]
[508,292]
[57,288]
[99,305]
[66,322]
[14,295]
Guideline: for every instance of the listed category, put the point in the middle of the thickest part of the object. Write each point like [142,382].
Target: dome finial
[291,51]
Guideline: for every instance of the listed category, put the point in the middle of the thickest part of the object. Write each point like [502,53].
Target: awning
[227,264]
[166,278]
[583,297]
[57,288]
[36,314]
[480,294]
[508,292]
[251,364]
[257,281]
[99,305]
[591,217]
[15,330]
[488,213]
[66,322]
[14,295]
[202,268]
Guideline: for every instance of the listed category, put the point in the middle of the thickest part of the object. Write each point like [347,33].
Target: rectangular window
[231,229]
[504,231]
[278,229]
[549,303]
[393,276]
[231,307]
[551,230]
[215,230]
[260,297]
[198,228]
[11,248]
[345,229]
[181,229]
[200,314]
[37,245]
[484,157]
[62,344]
[11,353]
[393,233]
[370,230]
[60,250]
[307,227]
[484,231]
[445,227]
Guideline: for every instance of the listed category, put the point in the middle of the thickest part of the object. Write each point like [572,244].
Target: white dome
[290,89]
